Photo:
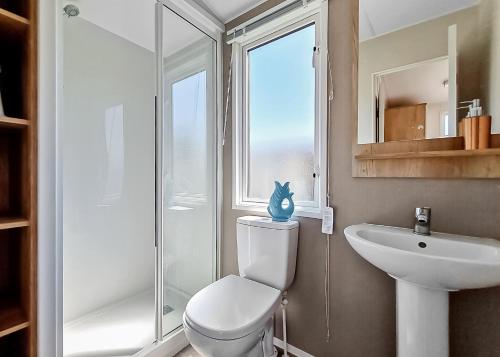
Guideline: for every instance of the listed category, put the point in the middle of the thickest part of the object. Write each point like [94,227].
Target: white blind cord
[327,253]
[228,93]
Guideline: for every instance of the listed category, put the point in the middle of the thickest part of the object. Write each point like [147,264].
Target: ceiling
[377,17]
[426,84]
[226,10]
[134,21]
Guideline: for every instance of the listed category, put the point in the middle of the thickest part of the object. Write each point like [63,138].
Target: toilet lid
[232,307]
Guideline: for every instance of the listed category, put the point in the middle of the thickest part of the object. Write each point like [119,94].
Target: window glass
[189,135]
[281,116]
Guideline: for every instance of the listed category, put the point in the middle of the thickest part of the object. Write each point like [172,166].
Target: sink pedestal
[422,321]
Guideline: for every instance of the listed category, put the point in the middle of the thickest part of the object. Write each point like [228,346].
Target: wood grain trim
[429,154]
[356,165]
[31,200]
[484,167]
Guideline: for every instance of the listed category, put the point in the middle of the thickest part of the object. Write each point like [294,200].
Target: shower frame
[198,17]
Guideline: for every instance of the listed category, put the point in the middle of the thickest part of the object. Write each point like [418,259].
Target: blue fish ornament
[275,208]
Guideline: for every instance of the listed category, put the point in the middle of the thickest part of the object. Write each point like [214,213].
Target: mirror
[424,65]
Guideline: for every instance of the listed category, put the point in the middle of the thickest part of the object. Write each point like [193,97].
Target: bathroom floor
[190,352]
[121,329]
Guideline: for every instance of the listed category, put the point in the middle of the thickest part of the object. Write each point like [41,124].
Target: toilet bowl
[234,316]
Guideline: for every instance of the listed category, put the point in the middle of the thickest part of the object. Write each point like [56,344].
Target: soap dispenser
[476,127]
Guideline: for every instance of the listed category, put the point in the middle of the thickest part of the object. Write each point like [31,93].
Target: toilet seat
[231,308]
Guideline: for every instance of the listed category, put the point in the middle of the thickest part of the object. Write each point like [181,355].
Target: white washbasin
[426,268]
[440,261]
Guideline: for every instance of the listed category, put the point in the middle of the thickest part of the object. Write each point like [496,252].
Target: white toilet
[233,317]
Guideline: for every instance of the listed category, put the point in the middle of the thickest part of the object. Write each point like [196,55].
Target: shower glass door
[135,184]
[189,152]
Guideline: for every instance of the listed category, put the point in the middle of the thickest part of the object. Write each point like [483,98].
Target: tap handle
[423,214]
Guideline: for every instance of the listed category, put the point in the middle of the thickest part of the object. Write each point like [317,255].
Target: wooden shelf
[18,191]
[430,154]
[12,318]
[7,122]
[9,17]
[12,23]
[10,223]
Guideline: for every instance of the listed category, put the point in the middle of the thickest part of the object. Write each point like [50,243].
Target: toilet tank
[267,250]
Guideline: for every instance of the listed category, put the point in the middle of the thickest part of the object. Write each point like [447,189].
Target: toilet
[234,317]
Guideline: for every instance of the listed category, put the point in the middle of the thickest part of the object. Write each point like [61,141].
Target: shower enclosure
[139,140]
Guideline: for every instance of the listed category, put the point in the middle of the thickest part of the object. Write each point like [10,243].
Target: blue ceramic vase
[275,208]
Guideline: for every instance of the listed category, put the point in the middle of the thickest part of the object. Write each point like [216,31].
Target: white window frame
[194,59]
[314,12]
[444,127]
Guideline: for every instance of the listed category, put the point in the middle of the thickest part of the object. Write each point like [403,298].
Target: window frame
[314,13]
[177,67]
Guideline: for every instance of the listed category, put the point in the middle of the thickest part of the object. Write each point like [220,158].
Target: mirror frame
[426,158]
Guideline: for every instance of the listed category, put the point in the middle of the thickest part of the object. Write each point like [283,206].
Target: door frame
[375,76]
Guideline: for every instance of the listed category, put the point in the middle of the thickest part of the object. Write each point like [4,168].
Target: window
[279,112]
[445,124]
[189,125]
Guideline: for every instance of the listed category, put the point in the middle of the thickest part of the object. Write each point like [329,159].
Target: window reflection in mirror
[419,60]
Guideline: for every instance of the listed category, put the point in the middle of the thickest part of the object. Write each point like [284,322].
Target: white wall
[108,231]
[49,262]
[490,76]
[433,113]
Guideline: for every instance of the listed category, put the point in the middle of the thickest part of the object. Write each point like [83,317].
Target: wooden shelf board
[12,319]
[14,222]
[12,23]
[13,122]
[6,15]
[430,154]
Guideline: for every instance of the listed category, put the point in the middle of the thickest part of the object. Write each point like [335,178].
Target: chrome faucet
[422,221]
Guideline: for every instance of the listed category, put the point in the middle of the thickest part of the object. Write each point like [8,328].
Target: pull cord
[228,93]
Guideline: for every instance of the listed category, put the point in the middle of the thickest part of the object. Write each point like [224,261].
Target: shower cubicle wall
[140,147]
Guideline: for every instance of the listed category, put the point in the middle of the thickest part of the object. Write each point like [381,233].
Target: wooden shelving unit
[18,142]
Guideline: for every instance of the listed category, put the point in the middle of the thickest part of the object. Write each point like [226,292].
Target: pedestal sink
[426,269]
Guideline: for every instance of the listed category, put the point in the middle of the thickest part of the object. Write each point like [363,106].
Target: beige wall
[415,44]
[363,297]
